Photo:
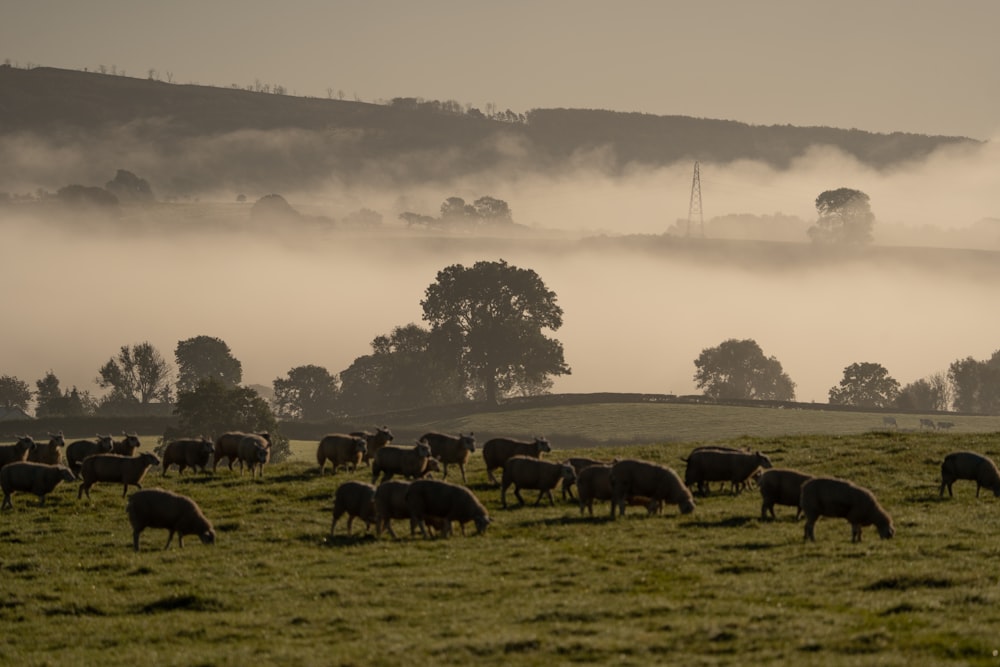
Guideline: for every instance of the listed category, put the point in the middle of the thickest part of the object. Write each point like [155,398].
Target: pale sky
[927,67]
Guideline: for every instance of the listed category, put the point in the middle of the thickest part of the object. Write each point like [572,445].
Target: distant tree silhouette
[927,394]
[976,384]
[865,385]
[308,393]
[14,393]
[203,357]
[137,374]
[273,208]
[845,216]
[130,188]
[738,369]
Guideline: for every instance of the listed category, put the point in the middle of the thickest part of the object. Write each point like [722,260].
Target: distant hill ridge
[49,101]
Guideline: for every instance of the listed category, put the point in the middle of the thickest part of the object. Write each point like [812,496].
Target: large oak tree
[494,317]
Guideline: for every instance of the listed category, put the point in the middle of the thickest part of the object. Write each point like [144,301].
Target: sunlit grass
[544,585]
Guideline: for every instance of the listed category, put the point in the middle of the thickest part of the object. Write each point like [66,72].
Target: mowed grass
[544,585]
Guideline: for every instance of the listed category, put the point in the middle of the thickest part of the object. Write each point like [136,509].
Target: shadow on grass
[342,540]
[728,522]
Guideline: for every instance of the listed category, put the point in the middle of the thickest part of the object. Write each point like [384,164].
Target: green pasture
[544,585]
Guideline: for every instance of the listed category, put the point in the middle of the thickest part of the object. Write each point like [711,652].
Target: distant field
[605,424]
[544,585]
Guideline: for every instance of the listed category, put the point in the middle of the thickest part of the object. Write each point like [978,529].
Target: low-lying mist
[635,319]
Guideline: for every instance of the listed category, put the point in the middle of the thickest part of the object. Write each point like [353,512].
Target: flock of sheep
[433,504]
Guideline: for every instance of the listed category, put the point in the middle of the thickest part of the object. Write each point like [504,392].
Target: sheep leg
[461,467]
[169,538]
[855,532]
[135,539]
[489,473]
[6,502]
[541,494]
[810,526]
[517,493]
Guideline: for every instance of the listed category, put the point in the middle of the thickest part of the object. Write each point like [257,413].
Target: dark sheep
[450,449]
[192,454]
[227,447]
[115,468]
[578,463]
[969,465]
[356,499]
[719,465]
[630,477]
[446,501]
[37,478]
[49,452]
[399,460]
[594,483]
[254,451]
[19,451]
[159,508]
[340,450]
[77,451]
[127,445]
[526,472]
[828,496]
[390,503]
[498,450]
[781,486]
[374,441]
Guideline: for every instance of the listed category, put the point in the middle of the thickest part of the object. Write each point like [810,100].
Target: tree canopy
[51,401]
[738,369]
[976,384]
[14,393]
[308,393]
[406,369]
[845,216]
[865,385]
[926,394]
[137,374]
[492,316]
[206,357]
[212,408]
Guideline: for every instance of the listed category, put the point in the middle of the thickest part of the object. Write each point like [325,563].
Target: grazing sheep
[159,508]
[828,496]
[722,465]
[374,441]
[254,451]
[48,452]
[192,454]
[630,477]
[19,451]
[124,470]
[446,501]
[77,451]
[450,449]
[340,450]
[227,447]
[780,486]
[433,465]
[578,463]
[526,472]
[399,460]
[390,503]
[498,450]
[969,465]
[928,423]
[594,483]
[126,446]
[37,478]
[356,499]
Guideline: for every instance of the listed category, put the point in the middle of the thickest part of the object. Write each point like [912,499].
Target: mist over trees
[346,141]
[738,369]
[845,216]
[865,385]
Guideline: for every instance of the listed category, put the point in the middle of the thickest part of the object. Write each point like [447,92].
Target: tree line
[485,340]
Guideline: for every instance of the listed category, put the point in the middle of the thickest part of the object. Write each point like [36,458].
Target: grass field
[544,585]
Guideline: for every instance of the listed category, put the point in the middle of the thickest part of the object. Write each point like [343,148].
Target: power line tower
[694,208]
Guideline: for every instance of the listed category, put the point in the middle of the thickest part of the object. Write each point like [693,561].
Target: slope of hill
[404,142]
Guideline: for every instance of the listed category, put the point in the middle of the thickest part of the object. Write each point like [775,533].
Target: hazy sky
[928,67]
